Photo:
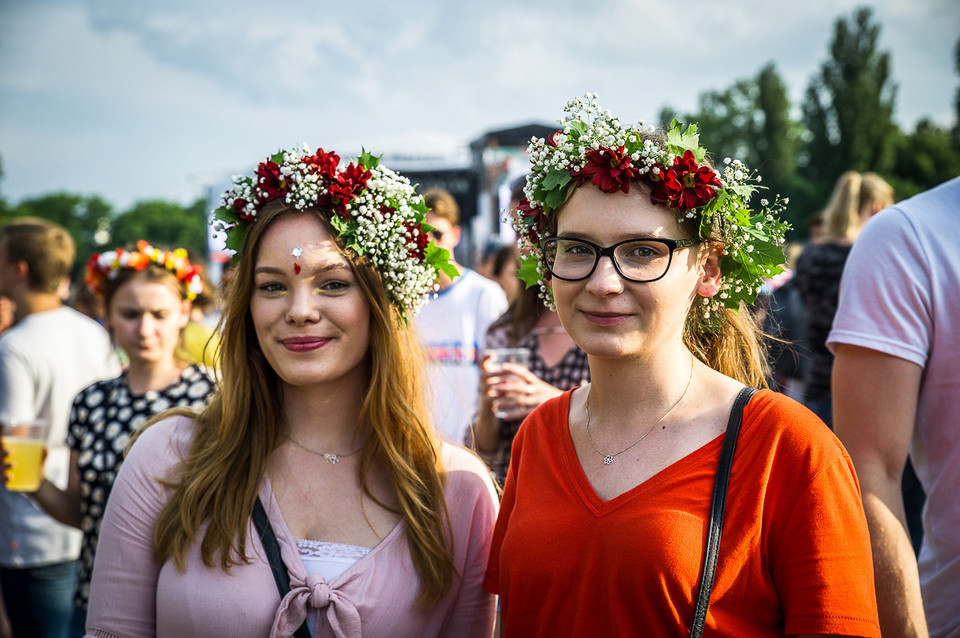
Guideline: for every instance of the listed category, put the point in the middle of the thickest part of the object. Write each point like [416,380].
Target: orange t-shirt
[794,556]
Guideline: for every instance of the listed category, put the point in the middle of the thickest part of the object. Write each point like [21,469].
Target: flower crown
[594,147]
[375,211]
[107,265]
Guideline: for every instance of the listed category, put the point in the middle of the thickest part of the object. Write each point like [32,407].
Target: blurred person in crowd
[147,295]
[896,383]
[783,323]
[504,271]
[50,354]
[487,256]
[453,325]
[607,501]
[856,197]
[815,228]
[7,313]
[313,494]
[199,342]
[84,301]
[556,364]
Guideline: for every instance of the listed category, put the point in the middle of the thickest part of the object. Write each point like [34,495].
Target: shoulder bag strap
[272,548]
[716,511]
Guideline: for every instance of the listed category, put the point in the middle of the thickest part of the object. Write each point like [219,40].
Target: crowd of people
[706,434]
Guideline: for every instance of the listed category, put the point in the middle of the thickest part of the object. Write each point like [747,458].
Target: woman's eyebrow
[275,270]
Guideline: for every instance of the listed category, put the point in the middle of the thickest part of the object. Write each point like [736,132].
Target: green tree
[4,206]
[924,159]
[751,121]
[848,107]
[85,217]
[164,224]
[956,101]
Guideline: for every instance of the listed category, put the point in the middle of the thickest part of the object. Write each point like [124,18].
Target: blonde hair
[235,435]
[852,192]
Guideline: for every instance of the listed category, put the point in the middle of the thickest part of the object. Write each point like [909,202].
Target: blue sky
[133,100]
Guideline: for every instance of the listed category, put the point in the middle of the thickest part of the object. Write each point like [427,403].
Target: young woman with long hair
[649,255]
[320,424]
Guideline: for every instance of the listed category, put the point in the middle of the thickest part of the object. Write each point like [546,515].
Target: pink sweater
[132,596]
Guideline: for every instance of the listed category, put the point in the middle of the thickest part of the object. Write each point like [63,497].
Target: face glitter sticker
[296,252]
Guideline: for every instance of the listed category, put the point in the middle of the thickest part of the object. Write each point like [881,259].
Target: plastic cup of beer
[496,357]
[24,443]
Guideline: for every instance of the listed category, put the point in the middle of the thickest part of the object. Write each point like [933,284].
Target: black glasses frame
[608,251]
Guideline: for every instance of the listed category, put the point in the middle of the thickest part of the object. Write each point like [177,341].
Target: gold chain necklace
[330,458]
[608,458]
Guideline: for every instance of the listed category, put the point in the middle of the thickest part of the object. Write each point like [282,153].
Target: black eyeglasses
[639,260]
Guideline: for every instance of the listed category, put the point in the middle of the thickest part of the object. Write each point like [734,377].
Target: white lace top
[328,559]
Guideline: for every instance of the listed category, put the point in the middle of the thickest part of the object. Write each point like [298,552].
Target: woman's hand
[513,391]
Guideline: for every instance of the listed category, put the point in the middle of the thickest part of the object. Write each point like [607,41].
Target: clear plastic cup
[496,357]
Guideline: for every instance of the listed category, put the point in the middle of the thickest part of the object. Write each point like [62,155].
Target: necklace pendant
[332,459]
[608,459]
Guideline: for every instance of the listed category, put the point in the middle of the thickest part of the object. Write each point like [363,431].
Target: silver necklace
[608,458]
[330,458]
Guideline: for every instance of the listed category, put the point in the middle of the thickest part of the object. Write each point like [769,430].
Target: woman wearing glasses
[650,255]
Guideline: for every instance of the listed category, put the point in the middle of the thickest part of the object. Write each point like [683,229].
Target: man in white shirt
[46,358]
[453,326]
[896,391]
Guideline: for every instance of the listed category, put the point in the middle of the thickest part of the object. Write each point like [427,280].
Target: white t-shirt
[453,330]
[45,360]
[900,295]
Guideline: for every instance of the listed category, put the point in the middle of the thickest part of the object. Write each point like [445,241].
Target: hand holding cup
[23,445]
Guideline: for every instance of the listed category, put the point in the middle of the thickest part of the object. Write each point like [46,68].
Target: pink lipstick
[304,344]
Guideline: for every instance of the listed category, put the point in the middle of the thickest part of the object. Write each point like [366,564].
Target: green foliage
[956,102]
[848,108]
[86,218]
[924,158]
[164,224]
[751,121]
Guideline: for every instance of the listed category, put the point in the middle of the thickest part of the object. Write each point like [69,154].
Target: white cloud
[131,101]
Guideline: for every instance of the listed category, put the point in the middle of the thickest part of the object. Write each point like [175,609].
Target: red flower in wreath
[685,185]
[552,139]
[665,188]
[342,186]
[698,183]
[610,170]
[532,217]
[240,206]
[336,197]
[269,185]
[94,276]
[418,240]
[324,163]
[356,175]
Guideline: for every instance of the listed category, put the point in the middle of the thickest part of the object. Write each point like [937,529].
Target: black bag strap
[272,548]
[716,511]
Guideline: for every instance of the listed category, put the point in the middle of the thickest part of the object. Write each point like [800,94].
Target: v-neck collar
[599,507]
[288,542]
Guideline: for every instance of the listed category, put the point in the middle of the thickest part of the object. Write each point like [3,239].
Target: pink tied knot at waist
[341,615]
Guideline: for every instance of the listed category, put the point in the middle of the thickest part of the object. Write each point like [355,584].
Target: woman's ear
[708,284]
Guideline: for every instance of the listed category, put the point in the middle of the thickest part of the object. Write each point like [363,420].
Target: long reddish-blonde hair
[219,480]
